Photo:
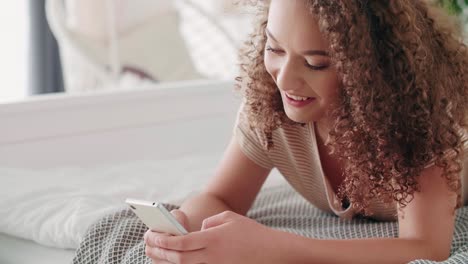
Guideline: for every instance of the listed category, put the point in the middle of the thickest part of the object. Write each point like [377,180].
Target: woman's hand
[149,250]
[224,238]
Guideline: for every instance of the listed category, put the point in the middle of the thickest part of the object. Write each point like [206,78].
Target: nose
[288,77]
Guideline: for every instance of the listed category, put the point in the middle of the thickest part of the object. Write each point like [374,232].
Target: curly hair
[403,99]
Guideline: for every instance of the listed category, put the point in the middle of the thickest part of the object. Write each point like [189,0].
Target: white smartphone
[156,217]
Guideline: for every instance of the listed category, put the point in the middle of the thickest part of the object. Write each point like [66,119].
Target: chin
[299,117]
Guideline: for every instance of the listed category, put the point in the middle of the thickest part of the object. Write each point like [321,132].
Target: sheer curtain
[45,69]
[14,49]
[30,62]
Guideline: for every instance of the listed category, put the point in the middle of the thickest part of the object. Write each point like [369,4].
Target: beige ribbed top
[295,154]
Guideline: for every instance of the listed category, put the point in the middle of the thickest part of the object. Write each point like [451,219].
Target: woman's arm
[234,187]
[425,232]
[298,249]
[426,228]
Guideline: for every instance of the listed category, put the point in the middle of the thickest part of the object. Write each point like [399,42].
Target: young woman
[361,105]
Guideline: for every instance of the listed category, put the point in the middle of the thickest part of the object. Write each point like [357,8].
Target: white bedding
[54,207]
[15,250]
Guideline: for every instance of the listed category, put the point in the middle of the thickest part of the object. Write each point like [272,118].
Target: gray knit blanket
[118,237]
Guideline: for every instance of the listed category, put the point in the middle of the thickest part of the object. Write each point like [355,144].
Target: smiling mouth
[297,97]
[299,102]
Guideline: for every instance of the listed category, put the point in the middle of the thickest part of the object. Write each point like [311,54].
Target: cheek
[327,86]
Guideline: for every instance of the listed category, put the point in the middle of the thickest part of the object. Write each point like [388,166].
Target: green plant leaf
[451,6]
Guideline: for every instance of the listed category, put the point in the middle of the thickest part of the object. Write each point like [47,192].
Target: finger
[181,217]
[150,232]
[217,220]
[155,259]
[161,261]
[174,256]
[191,241]
[151,237]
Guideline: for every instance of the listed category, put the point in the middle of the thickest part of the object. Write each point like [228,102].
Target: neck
[322,128]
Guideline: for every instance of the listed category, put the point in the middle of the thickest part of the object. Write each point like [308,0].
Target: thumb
[217,220]
[181,217]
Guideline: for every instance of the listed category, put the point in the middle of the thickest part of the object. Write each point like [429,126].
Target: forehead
[293,25]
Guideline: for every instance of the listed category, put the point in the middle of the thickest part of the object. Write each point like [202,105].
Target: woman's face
[296,57]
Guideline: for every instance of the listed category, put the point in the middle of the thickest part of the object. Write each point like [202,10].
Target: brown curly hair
[403,98]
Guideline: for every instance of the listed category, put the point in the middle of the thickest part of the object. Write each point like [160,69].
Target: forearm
[202,206]
[298,249]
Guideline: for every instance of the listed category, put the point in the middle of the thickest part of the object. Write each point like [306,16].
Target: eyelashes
[306,64]
[316,68]
[270,49]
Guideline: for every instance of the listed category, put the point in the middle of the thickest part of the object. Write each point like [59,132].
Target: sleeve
[249,142]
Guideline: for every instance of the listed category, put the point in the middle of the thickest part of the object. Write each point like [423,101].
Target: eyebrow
[307,52]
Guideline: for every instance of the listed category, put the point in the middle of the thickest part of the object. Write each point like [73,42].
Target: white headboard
[158,121]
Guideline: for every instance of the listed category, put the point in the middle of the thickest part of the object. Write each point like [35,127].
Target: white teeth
[298,98]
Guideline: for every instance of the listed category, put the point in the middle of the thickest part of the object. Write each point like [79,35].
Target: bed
[67,163]
[65,160]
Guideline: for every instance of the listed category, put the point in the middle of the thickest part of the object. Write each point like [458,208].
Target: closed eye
[276,51]
[316,68]
[313,67]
